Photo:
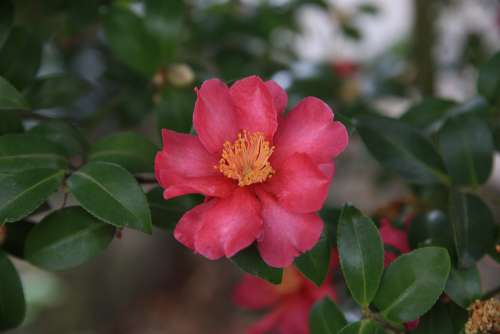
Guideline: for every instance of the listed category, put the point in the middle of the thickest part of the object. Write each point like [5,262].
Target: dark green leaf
[23,151]
[250,261]
[11,123]
[16,237]
[12,304]
[166,213]
[128,149]
[488,83]
[24,192]
[315,263]
[175,110]
[361,254]
[464,286]
[67,238]
[473,227]
[436,321]
[57,90]
[6,19]
[402,149]
[65,135]
[430,229]
[362,327]
[351,31]
[111,194]
[428,112]
[466,145]
[10,98]
[412,284]
[326,318]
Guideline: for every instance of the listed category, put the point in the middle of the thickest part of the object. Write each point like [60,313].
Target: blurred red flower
[395,238]
[290,302]
[243,138]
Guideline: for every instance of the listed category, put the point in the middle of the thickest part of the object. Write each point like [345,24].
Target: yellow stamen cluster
[247,159]
[484,317]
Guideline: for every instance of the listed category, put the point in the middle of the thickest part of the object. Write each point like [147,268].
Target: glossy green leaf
[315,263]
[250,261]
[326,318]
[20,57]
[436,321]
[19,152]
[166,213]
[363,327]
[10,98]
[402,149]
[66,239]
[6,20]
[426,113]
[430,229]
[473,227]
[488,83]
[56,90]
[466,145]
[24,192]
[412,283]
[16,237]
[66,136]
[361,254]
[127,149]
[111,194]
[464,286]
[12,303]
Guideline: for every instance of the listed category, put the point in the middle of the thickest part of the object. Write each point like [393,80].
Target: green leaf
[12,303]
[437,321]
[473,227]
[20,57]
[19,152]
[466,145]
[250,261]
[362,327]
[402,149]
[412,283]
[10,98]
[166,213]
[24,192]
[111,194]
[488,83]
[427,113]
[315,263]
[62,134]
[66,239]
[130,42]
[128,149]
[326,317]
[6,20]
[361,254]
[57,90]
[11,123]
[464,286]
[430,229]
[16,237]
[175,110]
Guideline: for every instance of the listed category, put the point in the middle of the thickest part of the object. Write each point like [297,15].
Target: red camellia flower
[290,302]
[264,173]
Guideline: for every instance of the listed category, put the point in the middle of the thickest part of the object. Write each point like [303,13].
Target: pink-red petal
[254,106]
[184,166]
[214,117]
[285,234]
[280,97]
[190,223]
[254,293]
[299,184]
[309,128]
[393,236]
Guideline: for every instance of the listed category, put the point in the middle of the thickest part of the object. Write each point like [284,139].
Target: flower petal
[190,223]
[184,166]
[285,234]
[280,98]
[393,236]
[254,106]
[254,293]
[232,224]
[267,324]
[214,117]
[309,128]
[299,184]
[295,318]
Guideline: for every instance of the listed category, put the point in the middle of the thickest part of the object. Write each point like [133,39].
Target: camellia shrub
[243,170]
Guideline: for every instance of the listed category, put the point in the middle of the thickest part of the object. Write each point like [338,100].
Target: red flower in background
[394,238]
[264,174]
[290,302]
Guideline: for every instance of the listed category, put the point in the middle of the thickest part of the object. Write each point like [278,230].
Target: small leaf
[6,20]
[250,261]
[10,98]
[12,303]
[488,83]
[24,192]
[326,318]
[467,148]
[67,238]
[58,90]
[464,286]
[315,263]
[412,283]
[111,194]
[19,152]
[362,327]
[66,136]
[437,321]
[130,150]
[361,254]
[402,149]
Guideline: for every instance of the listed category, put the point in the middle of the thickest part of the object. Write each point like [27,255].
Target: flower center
[247,159]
